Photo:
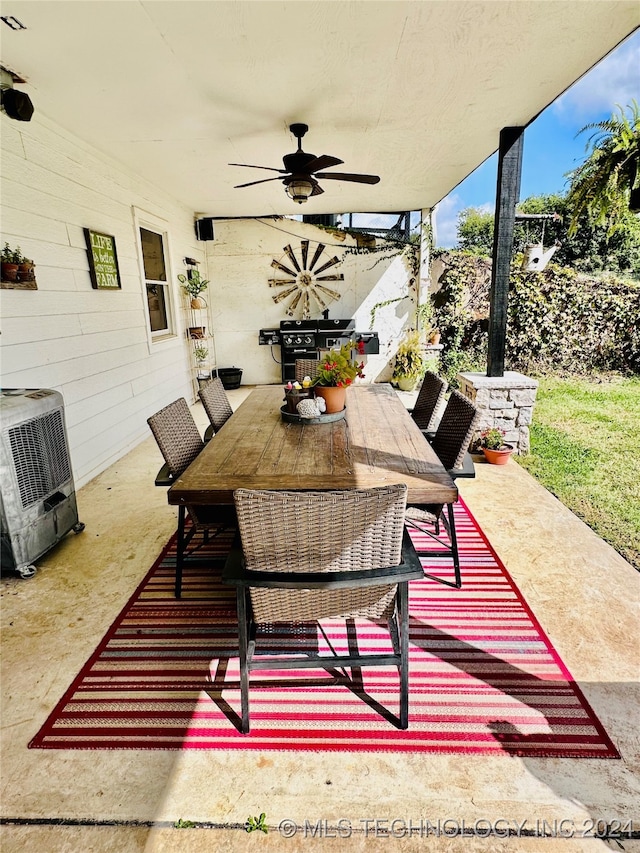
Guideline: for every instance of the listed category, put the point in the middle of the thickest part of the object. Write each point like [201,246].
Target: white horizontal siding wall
[91,345]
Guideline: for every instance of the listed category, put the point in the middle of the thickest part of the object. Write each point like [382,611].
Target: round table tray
[290,418]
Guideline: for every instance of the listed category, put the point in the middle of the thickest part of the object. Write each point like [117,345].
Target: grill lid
[336,325]
[298,325]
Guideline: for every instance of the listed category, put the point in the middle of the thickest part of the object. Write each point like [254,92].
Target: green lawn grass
[585,449]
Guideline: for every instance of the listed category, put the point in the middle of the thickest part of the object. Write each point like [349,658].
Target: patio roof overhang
[416,92]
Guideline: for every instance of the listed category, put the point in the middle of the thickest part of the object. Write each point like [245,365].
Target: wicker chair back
[430,397]
[177,435]
[216,403]
[330,531]
[306,367]
[455,430]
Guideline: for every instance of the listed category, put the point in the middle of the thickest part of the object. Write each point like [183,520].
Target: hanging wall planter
[17,271]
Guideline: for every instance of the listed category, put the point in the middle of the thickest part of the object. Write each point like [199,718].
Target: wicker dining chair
[429,400]
[217,406]
[451,444]
[309,556]
[178,438]
[306,367]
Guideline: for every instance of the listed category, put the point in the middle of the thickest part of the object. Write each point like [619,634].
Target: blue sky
[551,148]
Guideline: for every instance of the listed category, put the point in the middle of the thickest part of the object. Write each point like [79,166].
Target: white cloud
[613,81]
[446,221]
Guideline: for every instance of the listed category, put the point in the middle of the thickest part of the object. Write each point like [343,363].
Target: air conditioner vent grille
[40,457]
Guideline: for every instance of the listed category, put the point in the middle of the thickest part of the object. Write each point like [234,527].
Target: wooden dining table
[376,444]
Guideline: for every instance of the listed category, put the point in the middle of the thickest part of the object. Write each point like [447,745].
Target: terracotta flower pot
[198,302]
[9,272]
[25,271]
[334,397]
[498,457]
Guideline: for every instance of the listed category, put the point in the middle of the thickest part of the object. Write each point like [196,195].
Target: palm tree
[607,184]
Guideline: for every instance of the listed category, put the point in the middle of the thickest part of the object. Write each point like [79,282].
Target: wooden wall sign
[103,261]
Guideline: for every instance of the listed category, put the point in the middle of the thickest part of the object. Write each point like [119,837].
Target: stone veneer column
[505,402]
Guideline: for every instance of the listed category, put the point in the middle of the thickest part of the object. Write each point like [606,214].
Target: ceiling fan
[302,171]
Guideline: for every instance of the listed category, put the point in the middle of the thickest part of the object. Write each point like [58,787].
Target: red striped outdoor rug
[484,678]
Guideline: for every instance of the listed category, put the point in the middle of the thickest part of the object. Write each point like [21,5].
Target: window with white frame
[153,246]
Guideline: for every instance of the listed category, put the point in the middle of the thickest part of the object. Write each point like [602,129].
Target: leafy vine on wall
[558,319]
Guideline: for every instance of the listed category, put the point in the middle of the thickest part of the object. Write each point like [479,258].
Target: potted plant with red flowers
[336,371]
[493,446]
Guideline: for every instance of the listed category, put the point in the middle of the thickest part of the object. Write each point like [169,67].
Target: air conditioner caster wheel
[79,527]
[27,572]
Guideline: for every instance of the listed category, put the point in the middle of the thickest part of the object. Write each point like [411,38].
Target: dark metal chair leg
[180,546]
[403,613]
[243,641]
[394,633]
[454,545]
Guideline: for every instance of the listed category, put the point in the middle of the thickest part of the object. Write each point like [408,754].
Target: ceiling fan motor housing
[298,161]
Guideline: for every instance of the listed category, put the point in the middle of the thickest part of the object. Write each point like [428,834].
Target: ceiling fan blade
[345,176]
[269,168]
[317,190]
[322,162]
[252,183]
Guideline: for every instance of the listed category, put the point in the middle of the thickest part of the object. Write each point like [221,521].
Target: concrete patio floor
[583,593]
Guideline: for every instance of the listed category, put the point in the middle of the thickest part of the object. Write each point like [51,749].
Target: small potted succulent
[493,446]
[201,353]
[193,286]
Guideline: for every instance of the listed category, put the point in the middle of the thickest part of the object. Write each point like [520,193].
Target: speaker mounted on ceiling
[204,228]
[17,105]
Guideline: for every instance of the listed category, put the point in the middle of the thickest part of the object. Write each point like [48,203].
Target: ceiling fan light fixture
[299,190]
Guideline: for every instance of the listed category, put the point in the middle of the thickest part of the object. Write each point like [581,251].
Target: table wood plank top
[376,444]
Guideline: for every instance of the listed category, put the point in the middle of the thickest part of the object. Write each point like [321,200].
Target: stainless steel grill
[306,338]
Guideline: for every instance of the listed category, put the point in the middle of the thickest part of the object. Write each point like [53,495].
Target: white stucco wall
[241,301]
[92,346]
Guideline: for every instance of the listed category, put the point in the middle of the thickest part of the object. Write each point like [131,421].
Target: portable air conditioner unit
[37,494]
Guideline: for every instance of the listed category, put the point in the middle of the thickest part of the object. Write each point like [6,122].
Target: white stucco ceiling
[415,92]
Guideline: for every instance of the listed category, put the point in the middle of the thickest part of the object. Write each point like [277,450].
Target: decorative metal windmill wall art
[305,280]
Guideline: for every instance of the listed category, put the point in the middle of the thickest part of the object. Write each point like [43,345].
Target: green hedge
[558,319]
